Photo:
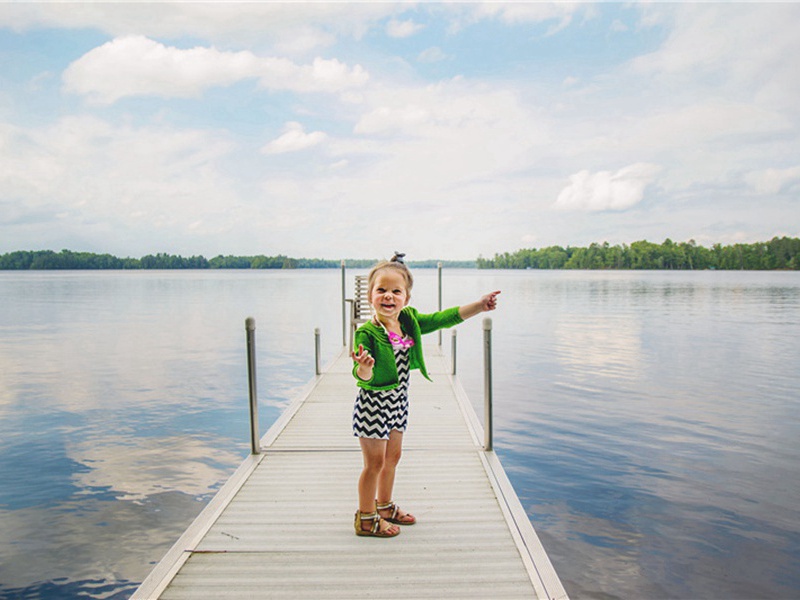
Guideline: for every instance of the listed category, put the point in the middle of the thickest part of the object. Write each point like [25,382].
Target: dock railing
[488,427]
[488,408]
[250,328]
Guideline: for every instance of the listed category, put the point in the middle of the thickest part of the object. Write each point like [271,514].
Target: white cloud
[402,29]
[451,108]
[324,75]
[432,55]
[525,12]
[605,190]
[513,13]
[136,65]
[393,119]
[745,57]
[618,26]
[715,104]
[302,40]
[293,139]
[311,24]
[773,181]
[84,170]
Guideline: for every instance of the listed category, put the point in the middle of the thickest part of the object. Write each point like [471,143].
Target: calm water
[648,420]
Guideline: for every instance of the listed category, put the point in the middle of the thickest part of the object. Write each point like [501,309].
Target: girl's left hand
[489,301]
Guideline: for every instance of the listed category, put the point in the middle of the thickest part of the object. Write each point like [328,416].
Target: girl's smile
[388,295]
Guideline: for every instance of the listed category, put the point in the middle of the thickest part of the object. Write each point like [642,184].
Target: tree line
[778,253]
[69,260]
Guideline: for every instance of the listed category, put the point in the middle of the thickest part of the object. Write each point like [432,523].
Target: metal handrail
[317,368]
[344,308]
[487,385]
[439,267]
[453,347]
[250,328]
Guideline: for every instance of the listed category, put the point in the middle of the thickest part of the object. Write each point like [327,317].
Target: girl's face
[389,294]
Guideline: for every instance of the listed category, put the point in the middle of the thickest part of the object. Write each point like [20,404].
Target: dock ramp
[282,526]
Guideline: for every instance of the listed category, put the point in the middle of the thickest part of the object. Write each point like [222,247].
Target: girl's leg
[373,453]
[391,458]
[393,452]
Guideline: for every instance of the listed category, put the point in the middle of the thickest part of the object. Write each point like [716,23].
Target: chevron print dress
[377,413]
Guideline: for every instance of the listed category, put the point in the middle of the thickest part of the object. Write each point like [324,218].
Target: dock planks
[282,526]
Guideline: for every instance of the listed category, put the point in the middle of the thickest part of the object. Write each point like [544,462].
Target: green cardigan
[375,340]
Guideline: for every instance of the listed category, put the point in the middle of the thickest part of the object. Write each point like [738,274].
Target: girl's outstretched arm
[486,303]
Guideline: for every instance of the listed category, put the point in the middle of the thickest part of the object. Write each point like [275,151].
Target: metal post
[439,266]
[344,309]
[250,327]
[487,384]
[453,351]
[316,350]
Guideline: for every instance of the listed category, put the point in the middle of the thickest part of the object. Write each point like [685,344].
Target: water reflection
[648,421]
[654,426]
[134,470]
[123,404]
[589,347]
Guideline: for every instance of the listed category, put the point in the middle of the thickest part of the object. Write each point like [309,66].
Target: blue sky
[448,131]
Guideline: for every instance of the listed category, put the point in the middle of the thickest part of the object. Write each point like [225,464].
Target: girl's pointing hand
[489,301]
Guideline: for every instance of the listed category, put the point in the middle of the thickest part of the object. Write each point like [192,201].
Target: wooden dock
[282,526]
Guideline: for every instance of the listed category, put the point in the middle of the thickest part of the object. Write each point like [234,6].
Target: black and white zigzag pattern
[377,413]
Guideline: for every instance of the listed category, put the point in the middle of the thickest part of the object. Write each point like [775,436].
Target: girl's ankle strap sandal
[406,519]
[375,528]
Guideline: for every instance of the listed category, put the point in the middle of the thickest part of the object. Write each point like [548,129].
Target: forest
[69,260]
[778,253]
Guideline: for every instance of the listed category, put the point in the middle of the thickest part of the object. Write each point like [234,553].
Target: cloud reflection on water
[141,467]
[127,504]
[647,420]
[590,347]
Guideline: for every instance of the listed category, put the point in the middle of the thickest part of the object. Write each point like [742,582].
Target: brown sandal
[407,519]
[375,530]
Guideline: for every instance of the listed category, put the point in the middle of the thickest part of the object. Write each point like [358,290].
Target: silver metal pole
[344,309]
[453,351]
[487,384]
[439,266]
[250,327]
[316,350]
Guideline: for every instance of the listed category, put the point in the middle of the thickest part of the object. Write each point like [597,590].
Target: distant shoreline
[776,254]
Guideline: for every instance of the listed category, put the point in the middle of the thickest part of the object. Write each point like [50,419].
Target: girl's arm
[486,303]
[365,363]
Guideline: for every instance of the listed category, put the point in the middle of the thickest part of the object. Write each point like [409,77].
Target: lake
[648,420]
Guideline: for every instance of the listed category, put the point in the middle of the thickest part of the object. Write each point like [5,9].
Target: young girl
[385,350]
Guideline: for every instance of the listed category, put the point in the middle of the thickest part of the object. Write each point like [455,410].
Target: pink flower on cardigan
[400,342]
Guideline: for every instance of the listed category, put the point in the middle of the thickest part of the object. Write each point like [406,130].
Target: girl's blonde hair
[396,263]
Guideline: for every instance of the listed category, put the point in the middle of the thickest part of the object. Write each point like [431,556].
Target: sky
[349,130]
